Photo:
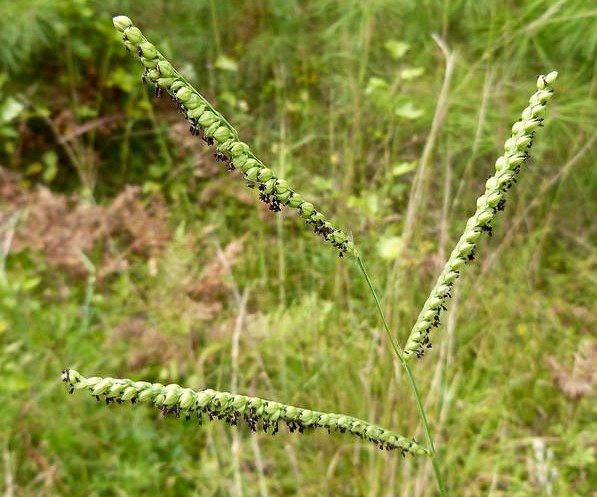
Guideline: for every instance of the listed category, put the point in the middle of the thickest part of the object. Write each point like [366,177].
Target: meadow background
[126,250]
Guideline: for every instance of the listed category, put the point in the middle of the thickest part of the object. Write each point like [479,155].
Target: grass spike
[507,168]
[207,122]
[232,408]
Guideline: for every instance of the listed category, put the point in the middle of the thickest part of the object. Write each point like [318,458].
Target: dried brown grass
[62,227]
[580,378]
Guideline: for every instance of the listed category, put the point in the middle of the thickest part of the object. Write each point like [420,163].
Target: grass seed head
[228,407]
[216,130]
[507,167]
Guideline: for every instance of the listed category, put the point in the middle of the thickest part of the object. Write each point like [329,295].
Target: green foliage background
[339,98]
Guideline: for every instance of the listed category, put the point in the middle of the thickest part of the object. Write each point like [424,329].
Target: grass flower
[507,168]
[267,415]
[214,129]
[206,405]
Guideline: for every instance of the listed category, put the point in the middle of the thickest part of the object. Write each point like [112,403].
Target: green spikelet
[507,167]
[206,405]
[208,123]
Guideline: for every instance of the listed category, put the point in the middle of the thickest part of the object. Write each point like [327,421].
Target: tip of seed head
[551,77]
[121,22]
[544,81]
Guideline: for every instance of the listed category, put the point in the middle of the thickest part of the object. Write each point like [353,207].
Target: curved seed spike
[174,399]
[215,130]
[488,205]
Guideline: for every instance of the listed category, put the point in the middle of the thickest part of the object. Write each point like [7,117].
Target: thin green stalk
[411,380]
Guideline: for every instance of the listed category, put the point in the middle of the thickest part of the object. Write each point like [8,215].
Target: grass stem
[399,353]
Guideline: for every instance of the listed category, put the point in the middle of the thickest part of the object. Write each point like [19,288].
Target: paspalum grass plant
[207,123]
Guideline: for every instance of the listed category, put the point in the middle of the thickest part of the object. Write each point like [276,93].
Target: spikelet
[214,129]
[206,405]
[507,167]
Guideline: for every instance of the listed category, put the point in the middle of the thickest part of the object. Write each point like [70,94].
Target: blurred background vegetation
[126,250]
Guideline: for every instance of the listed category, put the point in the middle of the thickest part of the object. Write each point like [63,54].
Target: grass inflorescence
[207,123]
[231,408]
[214,129]
[507,168]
